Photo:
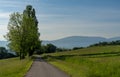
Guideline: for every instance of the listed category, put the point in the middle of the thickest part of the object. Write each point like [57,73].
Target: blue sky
[62,18]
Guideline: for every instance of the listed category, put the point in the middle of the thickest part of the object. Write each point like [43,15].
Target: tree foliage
[107,43]
[31,26]
[15,34]
[23,35]
[49,48]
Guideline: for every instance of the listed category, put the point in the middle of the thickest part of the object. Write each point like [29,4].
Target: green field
[101,61]
[14,67]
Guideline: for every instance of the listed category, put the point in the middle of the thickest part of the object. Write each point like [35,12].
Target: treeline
[50,48]
[106,43]
[76,48]
[5,54]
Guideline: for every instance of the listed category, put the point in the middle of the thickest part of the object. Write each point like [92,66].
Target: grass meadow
[101,61]
[14,67]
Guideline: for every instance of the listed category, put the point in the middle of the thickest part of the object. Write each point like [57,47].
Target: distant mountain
[78,41]
[73,41]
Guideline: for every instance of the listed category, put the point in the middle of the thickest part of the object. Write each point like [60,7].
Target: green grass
[89,62]
[14,67]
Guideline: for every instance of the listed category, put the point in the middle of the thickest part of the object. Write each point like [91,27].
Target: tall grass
[88,62]
[14,67]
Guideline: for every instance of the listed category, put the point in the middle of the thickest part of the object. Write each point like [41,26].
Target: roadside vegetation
[13,67]
[97,61]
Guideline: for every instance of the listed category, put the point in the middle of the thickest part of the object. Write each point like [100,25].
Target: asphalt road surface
[41,68]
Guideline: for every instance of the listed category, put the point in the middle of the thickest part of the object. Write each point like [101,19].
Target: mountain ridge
[73,41]
[79,41]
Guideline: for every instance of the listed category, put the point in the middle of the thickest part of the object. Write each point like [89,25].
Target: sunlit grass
[14,67]
[89,62]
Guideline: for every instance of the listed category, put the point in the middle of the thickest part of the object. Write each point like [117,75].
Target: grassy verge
[14,67]
[89,62]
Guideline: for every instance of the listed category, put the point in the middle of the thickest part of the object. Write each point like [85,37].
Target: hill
[78,41]
[73,41]
[97,61]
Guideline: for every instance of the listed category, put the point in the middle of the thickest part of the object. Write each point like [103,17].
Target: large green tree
[23,35]
[32,36]
[15,34]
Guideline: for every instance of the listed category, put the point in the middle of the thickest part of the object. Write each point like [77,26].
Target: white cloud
[4,15]
[52,15]
[55,30]
[13,3]
[6,3]
[3,31]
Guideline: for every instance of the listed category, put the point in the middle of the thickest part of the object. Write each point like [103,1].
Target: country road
[41,68]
